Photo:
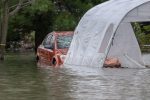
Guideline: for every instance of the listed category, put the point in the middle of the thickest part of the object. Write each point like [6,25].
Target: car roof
[63,32]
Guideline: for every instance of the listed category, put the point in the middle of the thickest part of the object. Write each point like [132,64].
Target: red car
[54,47]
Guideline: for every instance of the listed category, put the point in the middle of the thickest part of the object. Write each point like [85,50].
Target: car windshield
[64,41]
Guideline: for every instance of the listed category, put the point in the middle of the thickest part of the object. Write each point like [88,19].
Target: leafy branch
[18,6]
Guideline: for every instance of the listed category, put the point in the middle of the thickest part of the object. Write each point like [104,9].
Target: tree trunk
[4,27]
[4,22]
[42,29]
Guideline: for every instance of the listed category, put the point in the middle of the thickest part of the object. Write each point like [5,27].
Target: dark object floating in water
[147,66]
[112,63]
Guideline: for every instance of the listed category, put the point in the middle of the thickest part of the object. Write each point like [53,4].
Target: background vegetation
[44,16]
[32,22]
[142,32]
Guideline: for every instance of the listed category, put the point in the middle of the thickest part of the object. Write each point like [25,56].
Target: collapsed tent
[106,31]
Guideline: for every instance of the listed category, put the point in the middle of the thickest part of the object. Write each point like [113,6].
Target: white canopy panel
[95,31]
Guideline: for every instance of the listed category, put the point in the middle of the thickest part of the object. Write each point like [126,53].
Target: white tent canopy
[106,31]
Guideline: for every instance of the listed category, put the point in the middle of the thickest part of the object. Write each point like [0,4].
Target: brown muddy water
[22,79]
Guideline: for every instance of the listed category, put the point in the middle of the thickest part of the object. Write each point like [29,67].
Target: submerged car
[54,48]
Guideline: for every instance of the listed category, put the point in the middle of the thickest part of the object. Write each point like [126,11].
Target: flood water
[22,79]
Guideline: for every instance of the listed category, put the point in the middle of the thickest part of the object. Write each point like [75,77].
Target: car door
[42,50]
[49,47]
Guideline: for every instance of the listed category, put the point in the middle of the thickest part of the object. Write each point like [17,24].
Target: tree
[8,9]
[43,13]
[45,16]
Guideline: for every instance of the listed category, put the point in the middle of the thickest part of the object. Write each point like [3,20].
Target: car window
[64,41]
[49,42]
[47,39]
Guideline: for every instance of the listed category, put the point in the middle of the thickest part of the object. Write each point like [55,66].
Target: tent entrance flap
[106,40]
[125,46]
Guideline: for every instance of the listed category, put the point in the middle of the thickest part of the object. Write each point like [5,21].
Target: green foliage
[19,25]
[146,39]
[147,28]
[143,37]
[78,7]
[46,13]
[138,31]
[27,20]
[13,2]
[64,21]
[41,6]
[95,2]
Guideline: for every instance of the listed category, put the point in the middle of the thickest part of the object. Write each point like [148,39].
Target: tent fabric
[94,35]
[125,47]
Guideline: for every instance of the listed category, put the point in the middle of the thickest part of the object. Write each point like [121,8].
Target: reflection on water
[21,79]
